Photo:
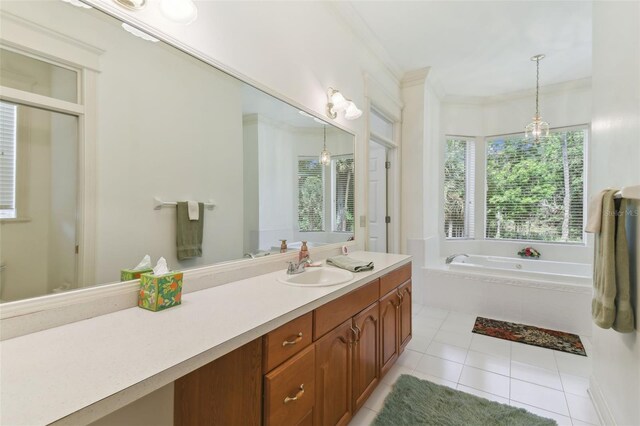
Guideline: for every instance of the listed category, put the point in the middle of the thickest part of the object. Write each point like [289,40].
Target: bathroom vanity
[319,368]
[235,351]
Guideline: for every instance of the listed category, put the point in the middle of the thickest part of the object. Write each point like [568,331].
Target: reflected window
[342,184]
[310,195]
[8,120]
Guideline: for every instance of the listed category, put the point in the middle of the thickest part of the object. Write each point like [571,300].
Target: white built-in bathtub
[539,292]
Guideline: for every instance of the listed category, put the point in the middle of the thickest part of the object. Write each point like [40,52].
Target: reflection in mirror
[78,183]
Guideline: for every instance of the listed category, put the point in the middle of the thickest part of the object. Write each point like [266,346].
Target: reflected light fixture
[325,156]
[78,3]
[181,11]
[337,102]
[136,32]
[131,4]
[537,128]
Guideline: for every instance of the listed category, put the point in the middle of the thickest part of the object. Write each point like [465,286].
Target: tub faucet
[453,256]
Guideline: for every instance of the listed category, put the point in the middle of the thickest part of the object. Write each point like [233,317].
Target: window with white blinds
[343,210]
[310,195]
[8,154]
[459,188]
[535,190]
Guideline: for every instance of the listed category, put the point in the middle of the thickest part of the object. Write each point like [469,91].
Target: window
[310,195]
[535,191]
[8,115]
[342,176]
[459,183]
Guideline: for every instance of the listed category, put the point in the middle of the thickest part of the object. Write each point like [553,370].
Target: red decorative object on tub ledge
[529,252]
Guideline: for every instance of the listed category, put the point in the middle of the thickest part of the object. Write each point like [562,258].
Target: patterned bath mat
[530,335]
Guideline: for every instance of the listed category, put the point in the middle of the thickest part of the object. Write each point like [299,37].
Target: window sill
[15,220]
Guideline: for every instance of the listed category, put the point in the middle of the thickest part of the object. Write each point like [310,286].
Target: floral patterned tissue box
[160,292]
[132,274]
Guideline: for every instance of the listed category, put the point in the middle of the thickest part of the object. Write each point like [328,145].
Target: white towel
[194,210]
[594,213]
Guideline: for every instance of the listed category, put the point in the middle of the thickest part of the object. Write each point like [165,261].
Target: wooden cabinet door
[389,331]
[227,391]
[366,354]
[404,291]
[333,376]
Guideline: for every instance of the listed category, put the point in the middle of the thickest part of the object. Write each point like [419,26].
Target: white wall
[615,154]
[562,105]
[295,49]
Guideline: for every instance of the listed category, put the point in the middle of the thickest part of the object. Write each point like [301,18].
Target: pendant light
[537,128]
[325,156]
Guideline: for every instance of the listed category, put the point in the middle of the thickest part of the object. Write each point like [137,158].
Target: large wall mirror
[100,123]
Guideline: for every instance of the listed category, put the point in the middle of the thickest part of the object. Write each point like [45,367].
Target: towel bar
[629,192]
[158,204]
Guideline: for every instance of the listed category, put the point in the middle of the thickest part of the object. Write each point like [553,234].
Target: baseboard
[600,403]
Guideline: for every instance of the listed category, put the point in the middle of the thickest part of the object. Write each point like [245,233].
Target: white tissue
[161,267]
[145,263]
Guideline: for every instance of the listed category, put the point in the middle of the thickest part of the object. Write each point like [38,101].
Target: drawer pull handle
[298,395]
[294,341]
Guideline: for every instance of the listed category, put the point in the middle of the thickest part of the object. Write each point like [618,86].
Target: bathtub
[544,293]
[532,269]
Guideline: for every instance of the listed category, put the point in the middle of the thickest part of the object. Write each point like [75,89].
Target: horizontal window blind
[8,115]
[310,195]
[459,188]
[535,190]
[343,206]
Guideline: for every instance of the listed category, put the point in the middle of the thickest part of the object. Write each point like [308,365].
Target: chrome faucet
[453,256]
[298,268]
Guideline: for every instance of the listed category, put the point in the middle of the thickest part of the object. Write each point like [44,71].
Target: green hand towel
[611,304]
[350,264]
[189,232]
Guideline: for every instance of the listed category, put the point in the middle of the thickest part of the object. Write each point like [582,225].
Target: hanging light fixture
[325,155]
[537,128]
[336,102]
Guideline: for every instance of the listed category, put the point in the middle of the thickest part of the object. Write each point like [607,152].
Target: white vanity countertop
[81,371]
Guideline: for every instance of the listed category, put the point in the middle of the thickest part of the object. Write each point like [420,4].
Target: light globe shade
[325,157]
[536,129]
[181,11]
[338,101]
[352,112]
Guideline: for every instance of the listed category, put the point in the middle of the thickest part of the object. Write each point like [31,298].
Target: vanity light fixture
[337,102]
[181,11]
[325,155]
[131,4]
[537,128]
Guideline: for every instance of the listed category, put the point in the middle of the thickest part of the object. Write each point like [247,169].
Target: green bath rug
[419,402]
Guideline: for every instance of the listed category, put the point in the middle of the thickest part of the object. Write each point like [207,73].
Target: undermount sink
[323,276]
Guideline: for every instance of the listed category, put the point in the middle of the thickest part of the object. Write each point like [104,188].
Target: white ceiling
[480,48]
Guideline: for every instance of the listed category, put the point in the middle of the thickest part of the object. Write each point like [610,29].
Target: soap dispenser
[304,252]
[283,246]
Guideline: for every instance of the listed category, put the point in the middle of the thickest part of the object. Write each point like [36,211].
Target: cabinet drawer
[394,278]
[286,341]
[289,390]
[329,316]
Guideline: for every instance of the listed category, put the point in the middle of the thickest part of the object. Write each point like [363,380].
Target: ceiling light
[336,102]
[537,128]
[181,11]
[325,155]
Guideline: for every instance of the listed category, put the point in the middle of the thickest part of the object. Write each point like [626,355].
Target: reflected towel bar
[158,204]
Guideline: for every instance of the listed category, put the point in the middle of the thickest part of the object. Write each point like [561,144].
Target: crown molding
[415,77]
[551,89]
[353,22]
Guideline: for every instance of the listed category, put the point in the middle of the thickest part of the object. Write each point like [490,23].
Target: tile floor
[443,350]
